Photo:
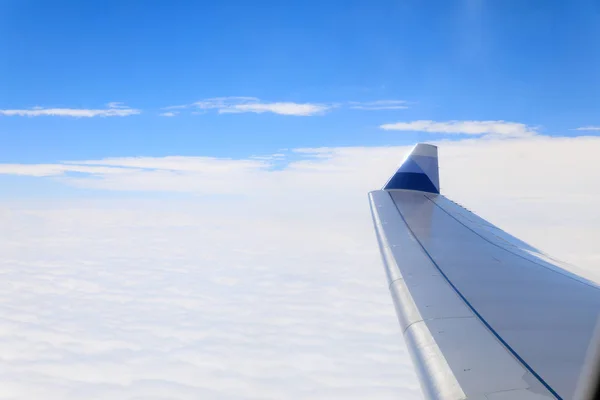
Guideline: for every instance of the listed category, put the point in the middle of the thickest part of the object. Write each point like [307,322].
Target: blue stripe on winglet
[411,181]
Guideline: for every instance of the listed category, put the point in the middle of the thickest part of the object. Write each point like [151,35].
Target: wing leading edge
[484,315]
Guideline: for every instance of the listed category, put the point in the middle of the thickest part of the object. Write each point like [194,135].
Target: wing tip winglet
[419,171]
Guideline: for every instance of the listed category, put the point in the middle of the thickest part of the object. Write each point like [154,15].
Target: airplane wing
[484,315]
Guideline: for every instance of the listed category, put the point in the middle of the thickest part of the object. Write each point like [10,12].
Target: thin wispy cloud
[41,170]
[220,103]
[588,128]
[488,128]
[174,163]
[177,107]
[247,104]
[379,105]
[113,109]
[303,109]
[169,114]
[238,105]
[213,175]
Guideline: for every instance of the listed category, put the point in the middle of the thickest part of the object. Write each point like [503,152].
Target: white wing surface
[484,315]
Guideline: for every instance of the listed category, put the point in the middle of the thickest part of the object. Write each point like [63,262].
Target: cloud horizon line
[498,128]
[113,109]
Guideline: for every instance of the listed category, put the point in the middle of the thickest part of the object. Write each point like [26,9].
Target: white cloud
[588,128]
[273,291]
[245,104]
[242,104]
[114,109]
[379,105]
[492,128]
[253,105]
[177,107]
[169,114]
[224,102]
[300,109]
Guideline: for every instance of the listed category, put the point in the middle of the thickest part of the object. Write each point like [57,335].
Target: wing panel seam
[507,250]
[435,319]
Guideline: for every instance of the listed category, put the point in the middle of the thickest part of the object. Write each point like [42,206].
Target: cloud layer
[490,128]
[113,109]
[266,284]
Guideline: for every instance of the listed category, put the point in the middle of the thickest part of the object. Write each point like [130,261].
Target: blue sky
[533,63]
